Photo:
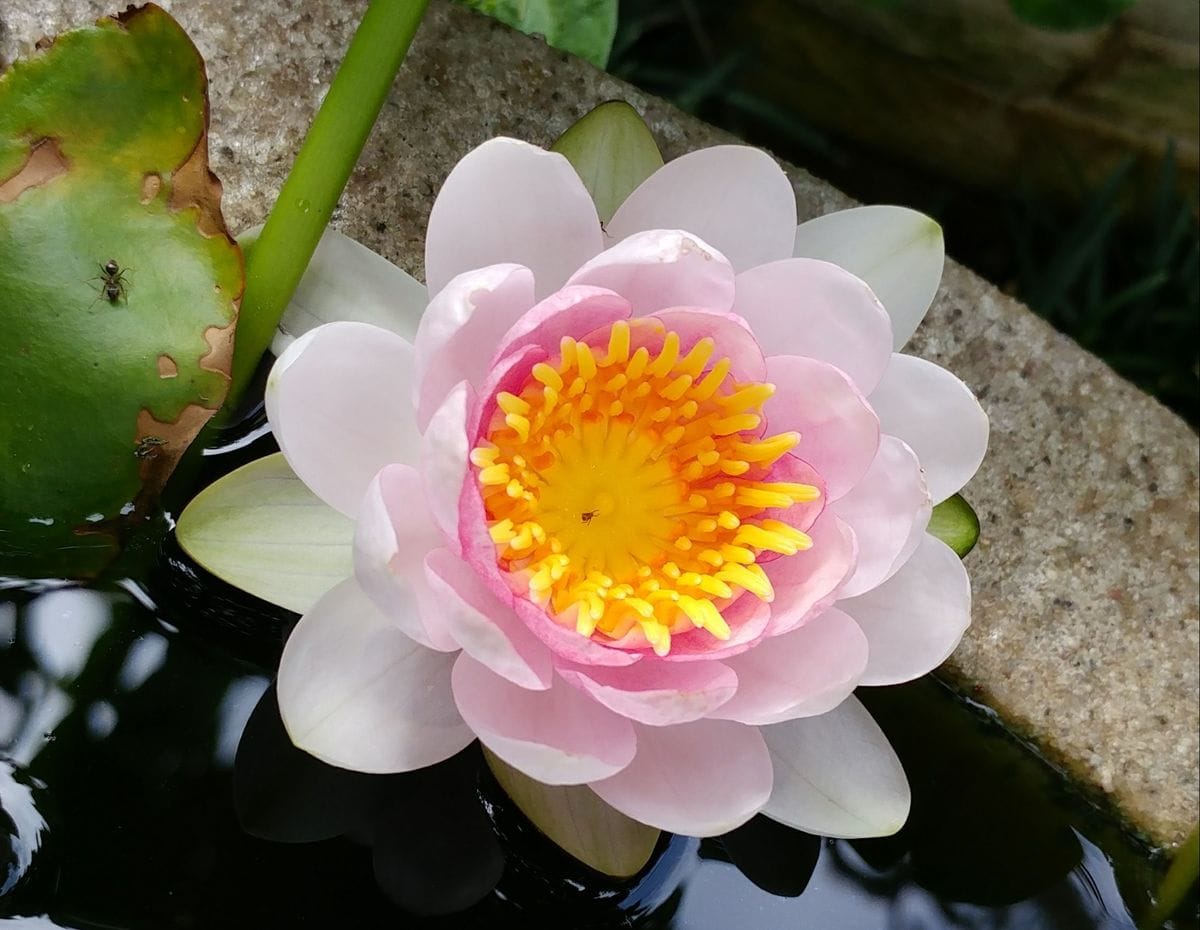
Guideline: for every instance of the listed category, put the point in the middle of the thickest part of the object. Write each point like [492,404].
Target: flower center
[628,490]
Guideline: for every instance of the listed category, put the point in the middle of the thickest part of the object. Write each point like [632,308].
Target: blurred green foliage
[1056,15]
[1121,275]
[1128,291]
[1069,15]
[581,27]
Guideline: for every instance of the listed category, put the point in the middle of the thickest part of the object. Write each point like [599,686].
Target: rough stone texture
[1086,634]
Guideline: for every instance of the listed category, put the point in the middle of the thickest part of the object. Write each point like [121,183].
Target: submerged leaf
[956,524]
[574,817]
[119,285]
[261,529]
[613,151]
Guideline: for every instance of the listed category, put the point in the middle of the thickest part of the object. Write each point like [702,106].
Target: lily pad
[120,285]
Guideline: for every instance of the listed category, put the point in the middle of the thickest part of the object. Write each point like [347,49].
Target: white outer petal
[355,692]
[915,619]
[347,281]
[899,252]
[339,403]
[836,775]
[734,197]
[939,418]
[509,201]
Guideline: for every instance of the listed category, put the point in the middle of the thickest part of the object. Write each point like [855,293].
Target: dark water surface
[121,711]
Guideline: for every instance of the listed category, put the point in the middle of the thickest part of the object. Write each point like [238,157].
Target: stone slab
[1085,637]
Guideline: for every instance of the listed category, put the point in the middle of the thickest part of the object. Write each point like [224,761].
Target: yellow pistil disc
[627,489]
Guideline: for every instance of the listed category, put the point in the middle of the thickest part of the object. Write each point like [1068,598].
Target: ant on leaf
[114,286]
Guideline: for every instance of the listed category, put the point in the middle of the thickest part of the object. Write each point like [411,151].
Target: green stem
[278,259]
[1181,876]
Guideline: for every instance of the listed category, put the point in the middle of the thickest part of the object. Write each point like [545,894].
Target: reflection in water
[21,823]
[61,628]
[233,712]
[133,725]
[146,656]
[101,719]
[847,893]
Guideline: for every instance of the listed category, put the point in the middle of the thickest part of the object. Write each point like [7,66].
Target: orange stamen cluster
[626,489]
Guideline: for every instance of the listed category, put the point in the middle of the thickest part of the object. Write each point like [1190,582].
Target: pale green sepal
[578,822]
[347,281]
[613,151]
[262,530]
[956,524]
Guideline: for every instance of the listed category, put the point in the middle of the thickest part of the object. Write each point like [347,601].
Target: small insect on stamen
[587,517]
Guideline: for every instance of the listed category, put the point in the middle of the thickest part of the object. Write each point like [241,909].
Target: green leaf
[262,530]
[955,524]
[613,151]
[574,818]
[582,27]
[1069,15]
[108,375]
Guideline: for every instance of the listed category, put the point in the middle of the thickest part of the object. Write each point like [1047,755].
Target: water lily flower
[638,505]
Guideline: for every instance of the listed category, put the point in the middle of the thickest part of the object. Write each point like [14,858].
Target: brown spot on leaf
[151,185]
[219,357]
[159,447]
[193,186]
[45,163]
[167,367]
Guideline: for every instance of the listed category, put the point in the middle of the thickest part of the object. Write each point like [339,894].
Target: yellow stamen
[626,490]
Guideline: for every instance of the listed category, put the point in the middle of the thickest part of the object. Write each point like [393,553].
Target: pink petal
[938,416]
[915,619]
[888,511]
[574,311]
[728,331]
[806,672]
[662,268]
[444,462]
[806,307]
[839,432]
[338,401]
[567,643]
[461,327]
[735,198]
[698,779]
[657,693]
[748,619]
[509,374]
[559,737]
[488,630]
[390,565]
[809,581]
[508,201]
[791,469]
[355,692]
